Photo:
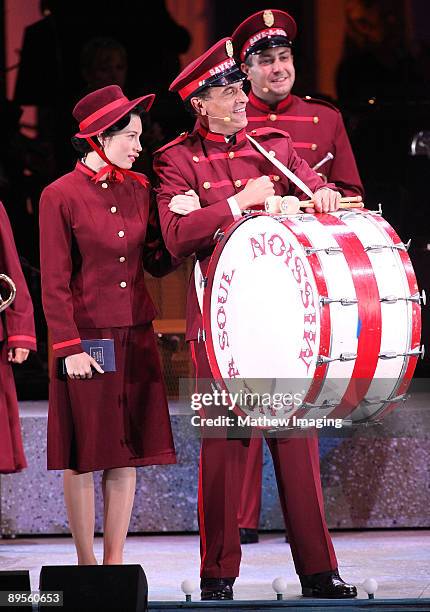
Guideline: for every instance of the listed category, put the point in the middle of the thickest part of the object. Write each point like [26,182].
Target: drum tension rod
[389,400]
[203,282]
[201,335]
[419,298]
[322,359]
[343,301]
[349,214]
[306,217]
[379,247]
[331,250]
[416,352]
[326,404]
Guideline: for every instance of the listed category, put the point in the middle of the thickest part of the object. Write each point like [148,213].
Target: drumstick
[352,202]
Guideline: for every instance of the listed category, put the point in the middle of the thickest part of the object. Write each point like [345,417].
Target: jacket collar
[263,106]
[214,137]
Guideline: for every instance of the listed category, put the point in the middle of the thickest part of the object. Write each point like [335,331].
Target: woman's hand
[183,204]
[79,366]
[17,355]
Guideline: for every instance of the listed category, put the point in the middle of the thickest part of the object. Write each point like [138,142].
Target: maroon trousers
[221,473]
[250,500]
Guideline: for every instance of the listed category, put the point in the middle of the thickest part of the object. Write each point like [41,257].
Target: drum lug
[390,299]
[219,235]
[377,248]
[203,282]
[332,250]
[419,351]
[322,359]
[201,335]
[398,398]
[343,301]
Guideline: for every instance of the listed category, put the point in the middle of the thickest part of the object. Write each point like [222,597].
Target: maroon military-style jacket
[316,128]
[216,170]
[96,239]
[16,322]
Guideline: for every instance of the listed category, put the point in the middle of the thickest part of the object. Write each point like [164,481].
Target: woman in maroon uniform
[17,338]
[98,233]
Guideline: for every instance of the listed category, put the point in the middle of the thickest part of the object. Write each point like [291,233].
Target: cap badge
[229,48]
[268,18]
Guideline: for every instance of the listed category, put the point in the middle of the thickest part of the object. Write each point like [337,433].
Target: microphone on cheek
[226,119]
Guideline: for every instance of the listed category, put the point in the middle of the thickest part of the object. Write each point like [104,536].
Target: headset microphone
[225,119]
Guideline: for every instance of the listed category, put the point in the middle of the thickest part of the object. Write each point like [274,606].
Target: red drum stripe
[325,331]
[369,314]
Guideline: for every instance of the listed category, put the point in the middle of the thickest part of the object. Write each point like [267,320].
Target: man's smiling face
[227,101]
[271,73]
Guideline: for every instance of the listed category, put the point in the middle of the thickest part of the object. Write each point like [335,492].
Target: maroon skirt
[12,458]
[116,419]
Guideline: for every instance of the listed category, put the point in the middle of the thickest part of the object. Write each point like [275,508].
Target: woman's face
[123,148]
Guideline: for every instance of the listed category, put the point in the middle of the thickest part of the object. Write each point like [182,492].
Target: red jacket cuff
[22,341]
[68,347]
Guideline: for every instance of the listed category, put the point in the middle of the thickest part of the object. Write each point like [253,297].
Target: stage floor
[399,561]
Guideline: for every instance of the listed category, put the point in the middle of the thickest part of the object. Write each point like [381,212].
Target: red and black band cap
[215,68]
[263,30]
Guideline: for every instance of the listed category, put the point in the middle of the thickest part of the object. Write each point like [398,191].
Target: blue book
[101,350]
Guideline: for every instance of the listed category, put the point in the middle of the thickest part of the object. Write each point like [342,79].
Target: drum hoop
[207,295]
[319,281]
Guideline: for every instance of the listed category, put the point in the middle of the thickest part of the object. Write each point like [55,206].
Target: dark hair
[204,94]
[82,146]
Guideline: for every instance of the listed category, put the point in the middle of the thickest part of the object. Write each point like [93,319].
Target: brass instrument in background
[4,303]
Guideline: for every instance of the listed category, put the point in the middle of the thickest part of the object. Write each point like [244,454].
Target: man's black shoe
[248,536]
[327,584]
[216,588]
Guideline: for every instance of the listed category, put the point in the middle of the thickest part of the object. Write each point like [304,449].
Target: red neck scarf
[114,172]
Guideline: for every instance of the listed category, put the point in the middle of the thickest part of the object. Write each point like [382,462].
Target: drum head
[261,314]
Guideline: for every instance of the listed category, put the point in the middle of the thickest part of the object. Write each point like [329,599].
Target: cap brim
[105,122]
[269,43]
[227,78]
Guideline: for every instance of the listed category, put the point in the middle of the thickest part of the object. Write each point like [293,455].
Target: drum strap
[198,281]
[285,171]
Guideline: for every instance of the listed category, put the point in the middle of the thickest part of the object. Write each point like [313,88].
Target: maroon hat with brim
[263,30]
[100,109]
[215,68]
